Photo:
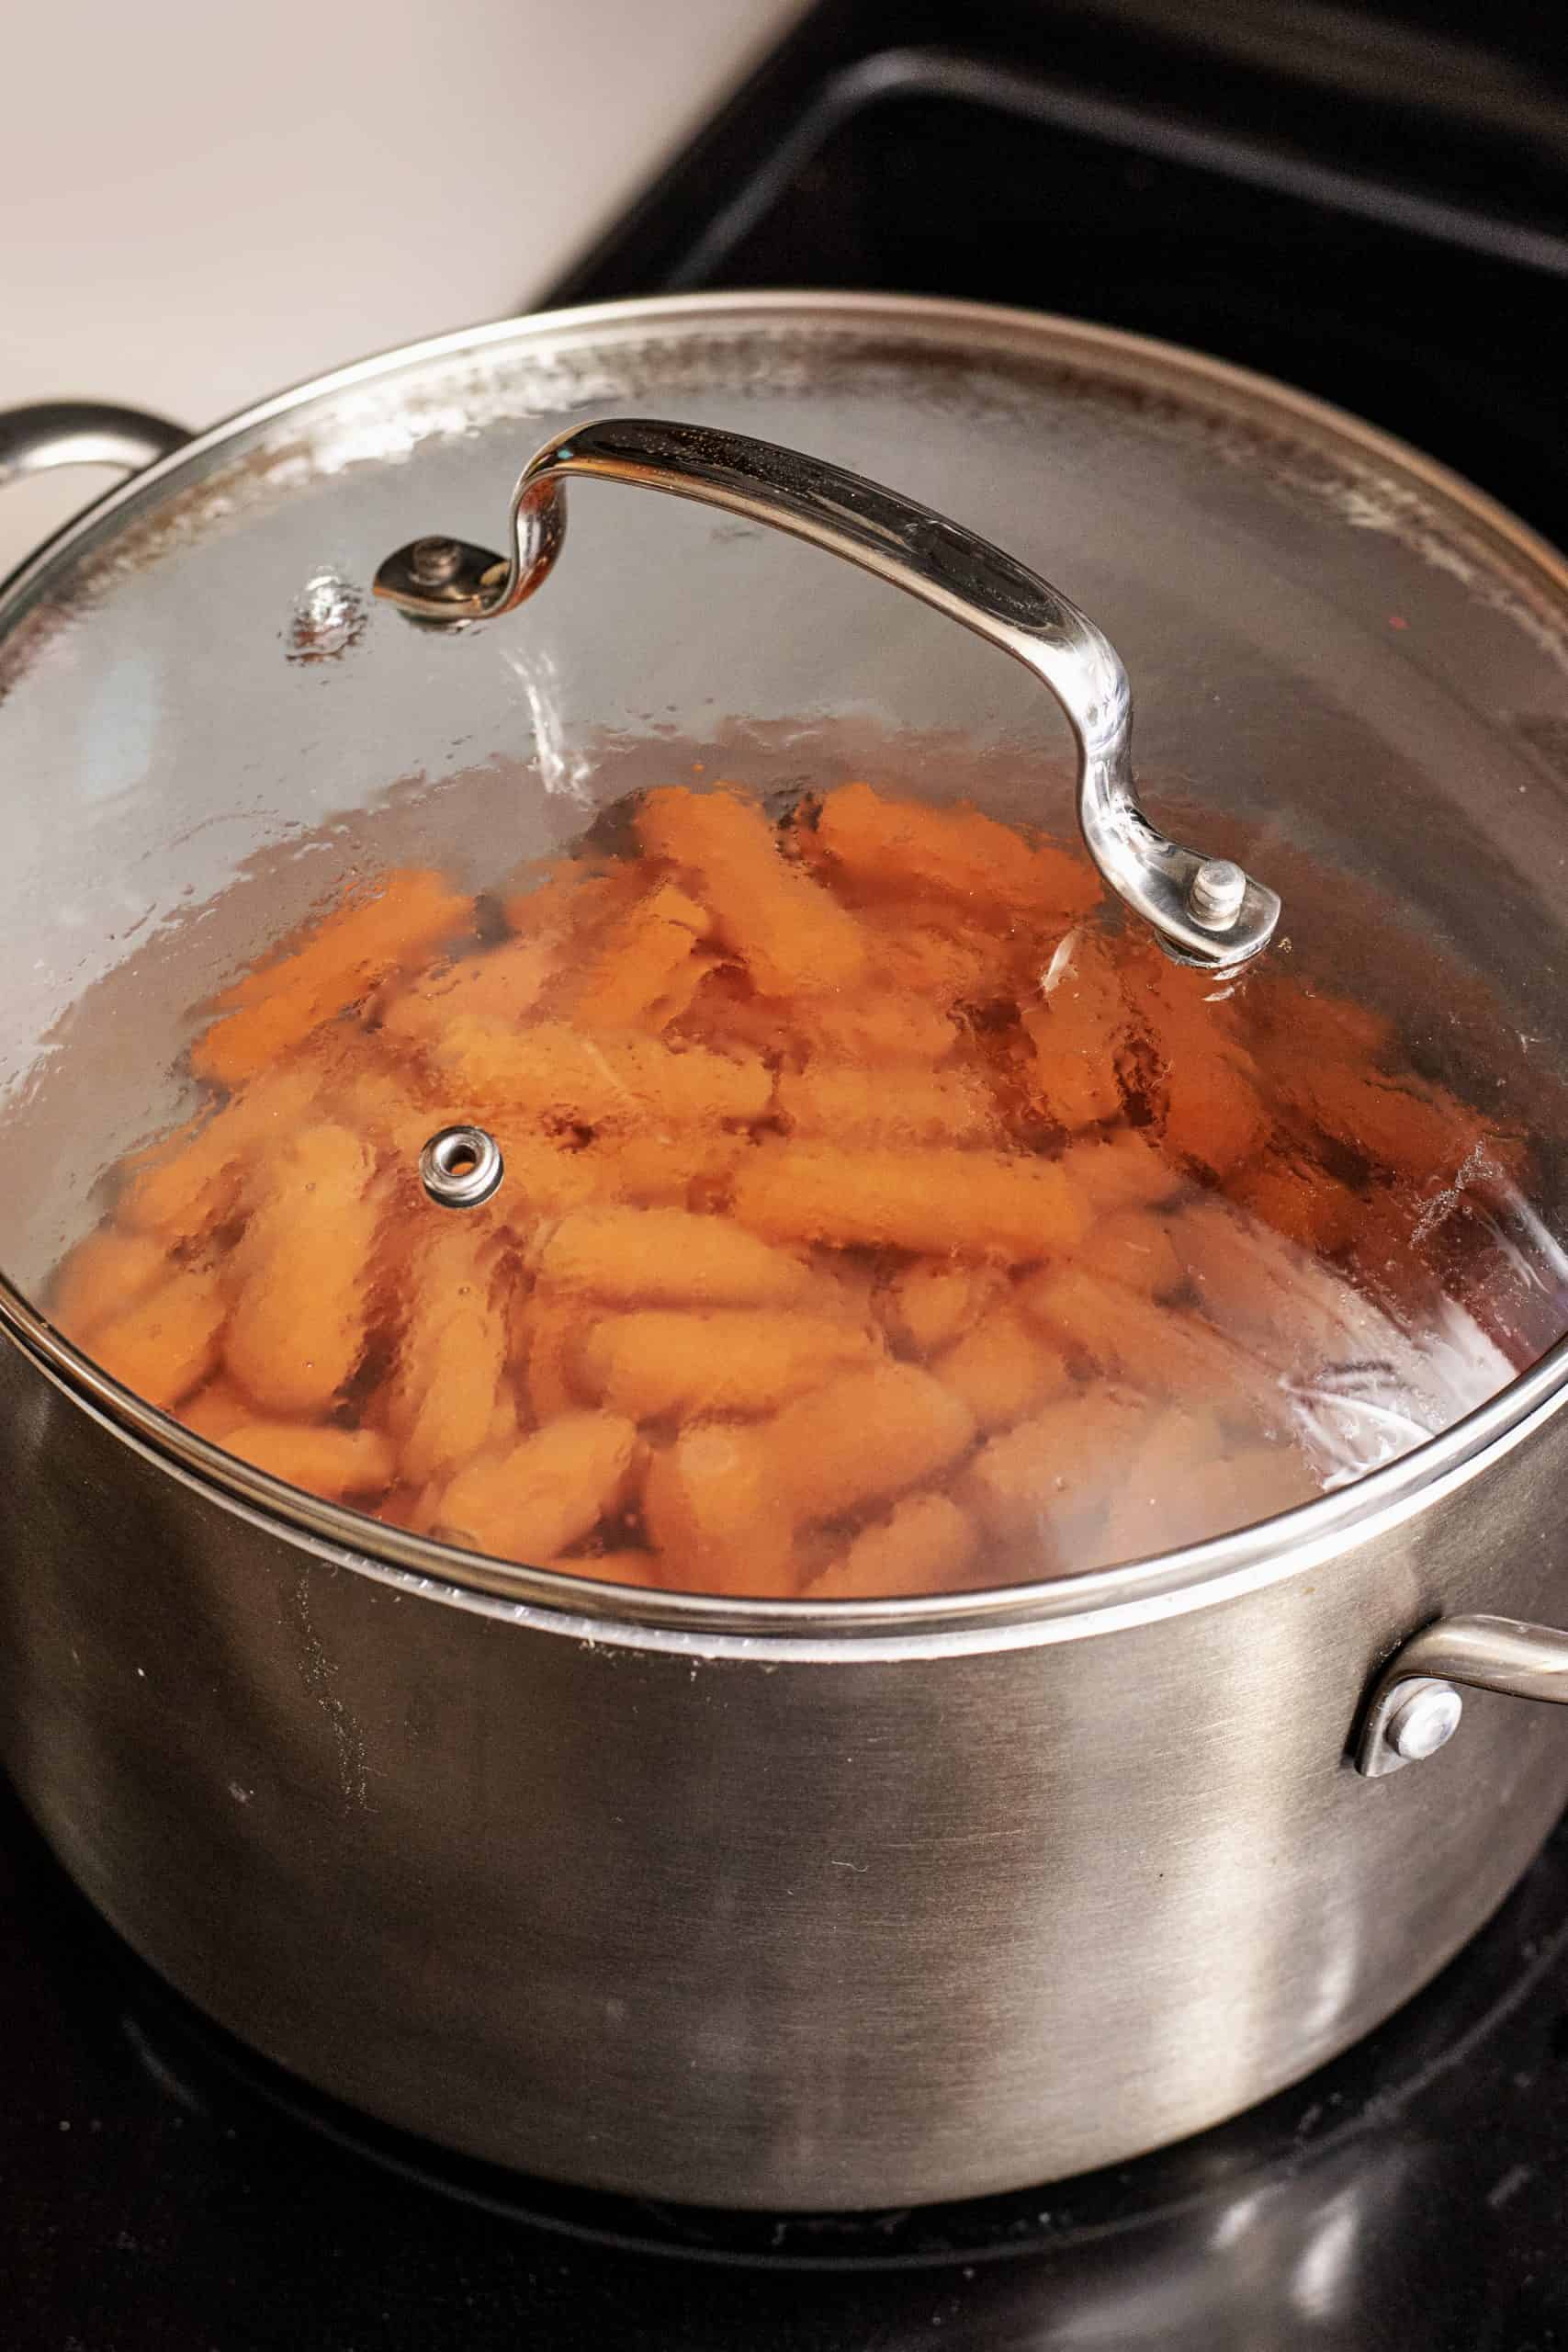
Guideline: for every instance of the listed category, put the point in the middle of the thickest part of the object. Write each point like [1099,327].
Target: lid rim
[1059,1608]
[998,327]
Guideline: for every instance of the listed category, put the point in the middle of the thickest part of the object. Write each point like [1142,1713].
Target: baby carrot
[345,956]
[725,1362]
[1020,1482]
[885,1107]
[709,1504]
[216,1409]
[792,935]
[325,1461]
[612,1078]
[1132,1246]
[451,1351]
[973,1203]
[105,1273]
[545,1493]
[637,967]
[165,1342]
[867,1435]
[925,1545]
[928,1304]
[304,1300]
[1076,1030]
[663,1257]
[1002,1369]
[954,852]
[185,1188]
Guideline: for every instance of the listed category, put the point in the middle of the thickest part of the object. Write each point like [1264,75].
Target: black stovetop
[1372,204]
[1340,197]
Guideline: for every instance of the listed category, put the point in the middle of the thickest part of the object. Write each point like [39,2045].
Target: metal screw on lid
[1215,893]
[1427,1720]
[461,1167]
[434,561]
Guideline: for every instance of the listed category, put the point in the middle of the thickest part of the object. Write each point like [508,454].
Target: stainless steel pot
[741,1902]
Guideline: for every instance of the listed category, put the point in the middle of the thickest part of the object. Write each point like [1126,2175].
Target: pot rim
[1052,1608]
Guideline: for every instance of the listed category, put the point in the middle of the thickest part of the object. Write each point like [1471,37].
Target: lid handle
[1203,910]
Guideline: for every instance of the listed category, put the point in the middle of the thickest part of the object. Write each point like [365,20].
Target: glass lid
[628,1065]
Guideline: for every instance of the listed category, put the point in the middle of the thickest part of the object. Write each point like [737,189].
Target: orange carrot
[554,1326]
[1211,1111]
[304,1305]
[1264,1290]
[191,1184]
[1125,1170]
[614,1080]
[1295,1197]
[726,1361]
[330,1461]
[636,970]
[1158,1503]
[867,1436]
[1132,1246]
[1020,1484]
[504,984]
[343,958]
[914,954]
[216,1409]
[545,1494]
[709,1504]
[1414,1131]
[451,1351]
[665,1257]
[885,1107]
[792,935]
[955,851]
[503,1427]
[875,1026]
[930,1303]
[102,1275]
[568,900]
[925,1545]
[1180,1488]
[1075,1032]
[1312,1027]
[676,1170]
[1002,1369]
[165,1342]
[973,1203]
[1175,1354]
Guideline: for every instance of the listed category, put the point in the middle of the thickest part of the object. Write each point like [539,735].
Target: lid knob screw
[460,1166]
[1215,893]
[434,562]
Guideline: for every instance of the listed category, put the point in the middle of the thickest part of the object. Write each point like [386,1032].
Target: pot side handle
[81,433]
[1203,910]
[1415,1703]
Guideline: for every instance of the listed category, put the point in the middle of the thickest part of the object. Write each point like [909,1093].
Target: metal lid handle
[1203,910]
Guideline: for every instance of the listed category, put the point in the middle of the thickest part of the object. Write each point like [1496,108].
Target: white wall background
[201,202]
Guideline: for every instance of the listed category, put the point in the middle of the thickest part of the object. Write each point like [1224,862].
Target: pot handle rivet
[1426,1718]
[1203,910]
[1416,1702]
